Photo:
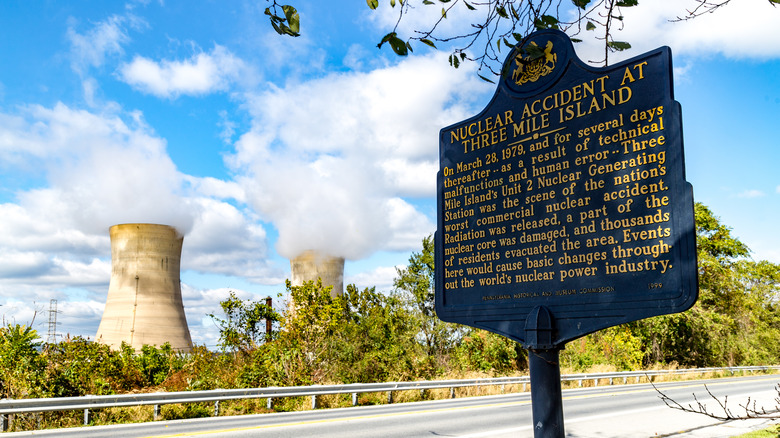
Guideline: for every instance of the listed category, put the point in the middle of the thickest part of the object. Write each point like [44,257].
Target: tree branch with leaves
[496,24]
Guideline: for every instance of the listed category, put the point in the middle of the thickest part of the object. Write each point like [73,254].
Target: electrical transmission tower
[52,338]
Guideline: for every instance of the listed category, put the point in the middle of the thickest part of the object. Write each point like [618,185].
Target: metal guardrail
[86,403]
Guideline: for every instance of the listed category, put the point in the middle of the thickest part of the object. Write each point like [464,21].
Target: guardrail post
[314,402]
[389,397]
[86,417]
[269,404]
[452,392]
[4,422]
[216,408]
[156,412]
[354,399]
[524,387]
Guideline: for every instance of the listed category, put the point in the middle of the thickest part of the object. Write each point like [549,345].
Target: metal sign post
[545,373]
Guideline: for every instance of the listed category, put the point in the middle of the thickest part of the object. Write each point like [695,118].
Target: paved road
[603,412]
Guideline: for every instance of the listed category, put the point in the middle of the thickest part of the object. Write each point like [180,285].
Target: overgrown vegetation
[368,336]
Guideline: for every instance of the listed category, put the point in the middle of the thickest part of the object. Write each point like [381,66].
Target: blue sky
[257,146]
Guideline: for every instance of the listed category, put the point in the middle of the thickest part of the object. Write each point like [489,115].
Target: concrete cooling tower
[144,304]
[311,265]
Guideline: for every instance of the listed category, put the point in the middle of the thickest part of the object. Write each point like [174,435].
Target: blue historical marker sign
[567,192]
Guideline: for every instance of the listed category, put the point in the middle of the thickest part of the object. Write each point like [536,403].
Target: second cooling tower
[311,265]
[144,304]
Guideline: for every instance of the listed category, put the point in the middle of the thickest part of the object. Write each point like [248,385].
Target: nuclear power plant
[144,304]
[311,265]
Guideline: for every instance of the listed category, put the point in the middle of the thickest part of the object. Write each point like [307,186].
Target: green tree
[243,329]
[21,365]
[736,313]
[302,351]
[415,285]
[359,336]
[79,367]
[377,338]
[480,350]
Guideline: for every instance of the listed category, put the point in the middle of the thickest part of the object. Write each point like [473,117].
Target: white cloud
[742,29]
[102,170]
[204,73]
[752,193]
[328,160]
[225,240]
[382,277]
[407,225]
[411,178]
[105,38]
[216,188]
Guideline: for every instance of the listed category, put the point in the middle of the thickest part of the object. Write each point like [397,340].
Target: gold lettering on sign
[549,192]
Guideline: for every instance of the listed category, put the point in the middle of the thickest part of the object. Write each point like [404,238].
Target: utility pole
[268,322]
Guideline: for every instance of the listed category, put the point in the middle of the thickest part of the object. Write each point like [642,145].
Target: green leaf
[399,47]
[546,22]
[454,61]
[533,51]
[428,2]
[580,3]
[386,38]
[293,20]
[517,37]
[618,45]
[277,28]
[485,79]
[575,40]
[627,3]
[392,3]
[373,4]
[590,26]
[474,9]
[502,12]
[428,42]
[443,12]
[774,1]
[506,43]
